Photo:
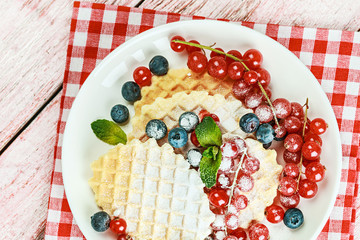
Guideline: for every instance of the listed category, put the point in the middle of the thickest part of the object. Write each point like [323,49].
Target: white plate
[291,79]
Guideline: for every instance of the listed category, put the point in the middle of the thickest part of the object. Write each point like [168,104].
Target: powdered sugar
[245,182]
[231,221]
[264,113]
[193,157]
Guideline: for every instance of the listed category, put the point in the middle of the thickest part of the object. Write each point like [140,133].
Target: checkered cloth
[333,57]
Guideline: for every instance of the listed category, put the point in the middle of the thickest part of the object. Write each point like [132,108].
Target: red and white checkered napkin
[333,57]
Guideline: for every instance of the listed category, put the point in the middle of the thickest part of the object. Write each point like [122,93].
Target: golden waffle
[182,80]
[154,190]
[170,109]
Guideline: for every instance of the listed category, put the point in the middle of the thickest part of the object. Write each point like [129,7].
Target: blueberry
[293,218]
[249,122]
[130,91]
[159,65]
[119,113]
[188,121]
[100,221]
[156,129]
[194,156]
[265,133]
[178,137]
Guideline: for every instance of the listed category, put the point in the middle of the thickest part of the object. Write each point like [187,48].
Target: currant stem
[214,50]
[269,101]
[303,134]
[236,175]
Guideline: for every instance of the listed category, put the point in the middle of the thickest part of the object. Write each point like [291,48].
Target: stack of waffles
[149,183]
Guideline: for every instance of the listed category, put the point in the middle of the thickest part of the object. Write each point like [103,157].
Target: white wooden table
[33,41]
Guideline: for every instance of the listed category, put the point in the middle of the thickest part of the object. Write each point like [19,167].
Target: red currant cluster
[226,198]
[118,226]
[302,148]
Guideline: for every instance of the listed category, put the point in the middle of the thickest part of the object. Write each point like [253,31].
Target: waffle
[170,109]
[182,80]
[154,190]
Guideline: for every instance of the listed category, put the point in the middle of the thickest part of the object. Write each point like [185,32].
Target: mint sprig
[209,165]
[208,133]
[108,132]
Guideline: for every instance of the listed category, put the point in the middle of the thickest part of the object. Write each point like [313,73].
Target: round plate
[291,79]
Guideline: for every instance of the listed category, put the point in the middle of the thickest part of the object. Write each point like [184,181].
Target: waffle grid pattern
[159,197]
[333,56]
[170,109]
[182,80]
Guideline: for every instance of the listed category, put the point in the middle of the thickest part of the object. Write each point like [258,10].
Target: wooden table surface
[33,41]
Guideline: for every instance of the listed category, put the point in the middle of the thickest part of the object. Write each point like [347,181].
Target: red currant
[258,231]
[311,150]
[213,116]
[253,58]
[313,137]
[315,172]
[194,139]
[197,62]
[297,110]
[241,89]
[291,170]
[217,67]
[250,165]
[290,157]
[239,233]
[142,76]
[264,77]
[282,107]
[280,131]
[229,149]
[306,162]
[293,142]
[230,237]
[287,186]
[236,54]
[177,47]
[318,126]
[215,54]
[216,210]
[292,124]
[191,49]
[118,225]
[218,197]
[236,70]
[307,188]
[253,99]
[231,221]
[274,213]
[240,202]
[290,201]
[264,113]
[223,180]
[244,182]
[251,77]
[123,237]
[202,114]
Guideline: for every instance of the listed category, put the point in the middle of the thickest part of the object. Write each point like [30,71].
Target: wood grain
[335,14]
[25,170]
[34,36]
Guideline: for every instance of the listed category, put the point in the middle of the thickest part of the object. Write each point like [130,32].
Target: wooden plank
[25,170]
[344,15]
[34,36]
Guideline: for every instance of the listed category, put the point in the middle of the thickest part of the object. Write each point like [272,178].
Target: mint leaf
[208,133]
[209,165]
[108,132]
